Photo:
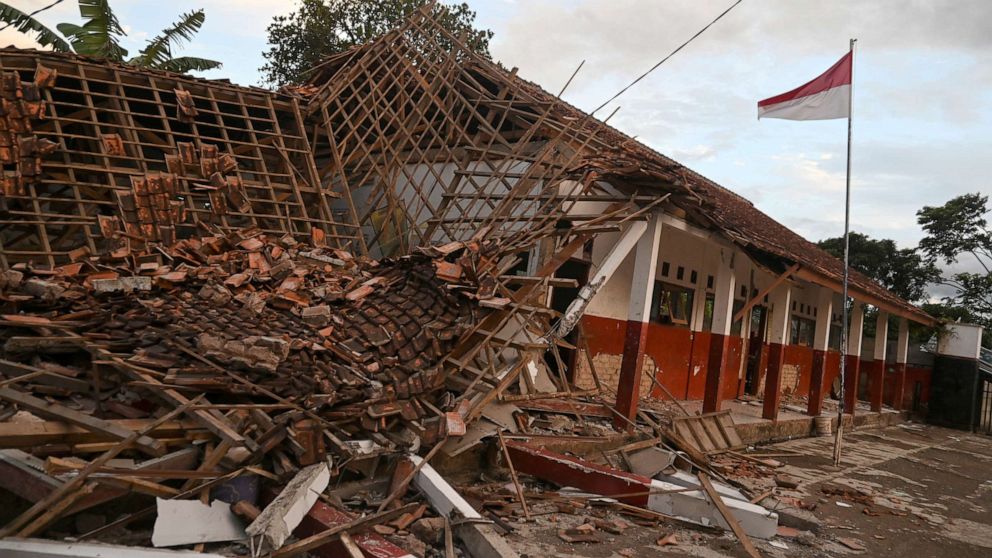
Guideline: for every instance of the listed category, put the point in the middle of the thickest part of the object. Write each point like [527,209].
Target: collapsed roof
[410,140]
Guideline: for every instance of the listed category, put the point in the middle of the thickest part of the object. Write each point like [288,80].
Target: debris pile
[292,396]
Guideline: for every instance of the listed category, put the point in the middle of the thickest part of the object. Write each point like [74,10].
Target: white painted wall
[960,340]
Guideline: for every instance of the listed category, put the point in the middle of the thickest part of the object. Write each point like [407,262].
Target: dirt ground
[907,490]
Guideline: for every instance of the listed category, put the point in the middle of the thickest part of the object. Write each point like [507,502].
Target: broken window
[737,326]
[708,312]
[802,331]
[672,304]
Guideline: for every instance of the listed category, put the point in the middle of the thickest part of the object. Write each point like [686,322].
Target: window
[671,304]
[736,327]
[801,331]
[708,312]
[834,341]
[665,268]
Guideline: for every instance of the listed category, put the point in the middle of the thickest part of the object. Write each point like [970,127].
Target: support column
[821,343]
[638,313]
[780,315]
[723,315]
[852,365]
[877,379]
[902,354]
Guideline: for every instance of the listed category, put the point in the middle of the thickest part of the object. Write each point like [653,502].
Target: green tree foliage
[318,28]
[904,271]
[101,32]
[958,232]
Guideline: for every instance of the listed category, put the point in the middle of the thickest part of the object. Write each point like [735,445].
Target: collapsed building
[367,266]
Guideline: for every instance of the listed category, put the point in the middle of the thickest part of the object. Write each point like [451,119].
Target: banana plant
[100,34]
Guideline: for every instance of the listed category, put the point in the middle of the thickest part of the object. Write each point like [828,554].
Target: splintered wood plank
[29,434]
[726,424]
[145,443]
[709,424]
[700,436]
[728,516]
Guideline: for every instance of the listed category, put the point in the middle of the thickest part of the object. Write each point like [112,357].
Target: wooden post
[638,314]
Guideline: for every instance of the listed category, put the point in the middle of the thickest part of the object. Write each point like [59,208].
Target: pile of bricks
[281,355]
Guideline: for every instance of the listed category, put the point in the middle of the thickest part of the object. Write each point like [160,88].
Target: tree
[100,35]
[958,232]
[300,40]
[903,271]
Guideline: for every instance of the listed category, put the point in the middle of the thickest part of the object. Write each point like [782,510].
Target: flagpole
[838,440]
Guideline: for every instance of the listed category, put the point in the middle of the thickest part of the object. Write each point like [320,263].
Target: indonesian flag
[826,97]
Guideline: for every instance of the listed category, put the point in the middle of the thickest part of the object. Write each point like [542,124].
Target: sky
[922,88]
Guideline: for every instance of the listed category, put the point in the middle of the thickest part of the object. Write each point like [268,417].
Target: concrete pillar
[852,364]
[723,315]
[877,379]
[779,318]
[821,343]
[638,314]
[902,356]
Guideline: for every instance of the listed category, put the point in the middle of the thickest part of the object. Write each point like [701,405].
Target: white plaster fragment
[278,519]
[181,522]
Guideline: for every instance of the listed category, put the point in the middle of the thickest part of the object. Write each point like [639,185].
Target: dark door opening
[561,297]
[755,344]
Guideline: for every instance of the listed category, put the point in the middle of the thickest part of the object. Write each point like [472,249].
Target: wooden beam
[764,292]
[919,317]
[145,443]
[749,547]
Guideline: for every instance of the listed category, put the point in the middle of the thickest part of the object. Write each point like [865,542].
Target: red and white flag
[827,96]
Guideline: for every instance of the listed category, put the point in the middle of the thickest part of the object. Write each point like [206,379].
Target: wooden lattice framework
[116,127]
[437,145]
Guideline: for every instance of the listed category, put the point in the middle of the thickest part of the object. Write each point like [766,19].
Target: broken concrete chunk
[123,284]
[182,522]
[317,316]
[430,530]
[10,279]
[45,290]
[279,518]
[215,294]
[651,461]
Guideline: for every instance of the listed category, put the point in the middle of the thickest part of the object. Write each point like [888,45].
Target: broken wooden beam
[323,517]
[728,516]
[89,422]
[477,534]
[637,490]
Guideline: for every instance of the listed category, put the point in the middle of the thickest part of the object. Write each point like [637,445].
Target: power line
[34,13]
[663,60]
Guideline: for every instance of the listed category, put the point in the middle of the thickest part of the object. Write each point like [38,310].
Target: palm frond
[99,35]
[159,49]
[186,64]
[99,11]
[27,24]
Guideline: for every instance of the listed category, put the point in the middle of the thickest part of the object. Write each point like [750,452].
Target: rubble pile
[280,355]
[283,398]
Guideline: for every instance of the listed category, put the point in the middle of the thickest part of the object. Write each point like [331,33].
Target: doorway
[561,297]
[755,346]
